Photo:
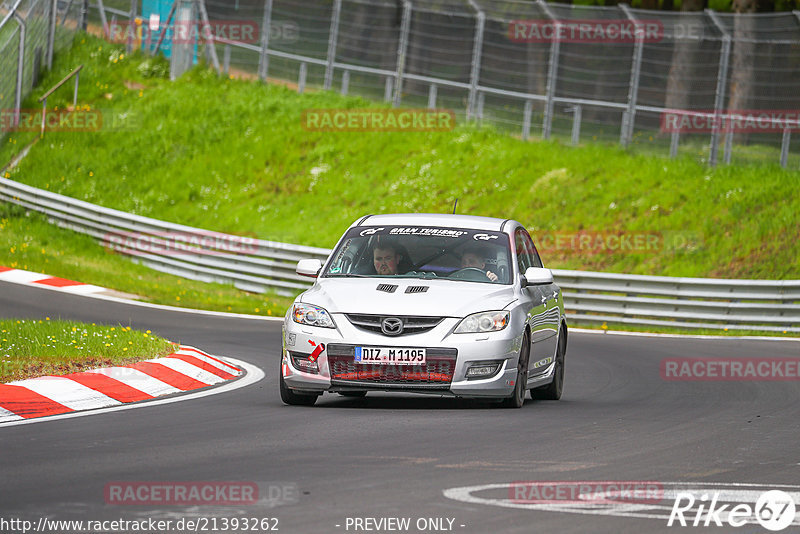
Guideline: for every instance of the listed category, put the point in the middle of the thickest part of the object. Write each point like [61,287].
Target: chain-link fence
[721,87]
[30,32]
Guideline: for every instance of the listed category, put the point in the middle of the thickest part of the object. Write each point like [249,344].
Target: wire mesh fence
[30,33]
[720,87]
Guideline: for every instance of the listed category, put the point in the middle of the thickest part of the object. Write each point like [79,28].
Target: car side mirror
[310,267]
[537,276]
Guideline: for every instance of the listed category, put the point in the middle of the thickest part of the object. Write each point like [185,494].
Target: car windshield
[422,252]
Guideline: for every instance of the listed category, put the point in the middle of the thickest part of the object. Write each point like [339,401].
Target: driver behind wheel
[475,257]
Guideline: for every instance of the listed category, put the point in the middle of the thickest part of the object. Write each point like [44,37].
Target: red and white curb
[186,369]
[30,278]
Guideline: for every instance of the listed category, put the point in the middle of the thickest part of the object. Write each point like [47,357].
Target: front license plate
[389,356]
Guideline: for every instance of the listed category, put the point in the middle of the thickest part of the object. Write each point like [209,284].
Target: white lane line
[64,391]
[187,369]
[254,374]
[678,336]
[137,380]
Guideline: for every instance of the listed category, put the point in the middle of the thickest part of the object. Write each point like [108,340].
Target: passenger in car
[476,257]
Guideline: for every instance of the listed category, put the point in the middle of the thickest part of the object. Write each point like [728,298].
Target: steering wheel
[469,273]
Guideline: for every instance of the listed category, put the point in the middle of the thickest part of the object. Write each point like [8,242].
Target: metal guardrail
[258,266]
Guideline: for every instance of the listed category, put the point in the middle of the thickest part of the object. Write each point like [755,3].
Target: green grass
[230,155]
[30,348]
[28,241]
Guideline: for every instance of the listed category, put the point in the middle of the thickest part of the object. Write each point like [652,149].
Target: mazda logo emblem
[392,326]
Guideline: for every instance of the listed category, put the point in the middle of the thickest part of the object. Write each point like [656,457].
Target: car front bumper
[449,357]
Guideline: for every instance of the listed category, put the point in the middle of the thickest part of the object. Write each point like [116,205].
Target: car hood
[443,298]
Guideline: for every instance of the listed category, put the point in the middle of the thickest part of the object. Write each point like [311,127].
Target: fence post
[102,9]
[266,25]
[626,133]
[402,48]
[210,42]
[51,32]
[552,71]
[432,96]
[131,27]
[20,67]
[526,119]
[787,132]
[301,78]
[722,76]
[84,15]
[577,112]
[388,89]
[674,139]
[477,50]
[333,37]
[345,82]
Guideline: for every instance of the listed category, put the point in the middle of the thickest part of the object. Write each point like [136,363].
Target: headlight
[312,315]
[476,323]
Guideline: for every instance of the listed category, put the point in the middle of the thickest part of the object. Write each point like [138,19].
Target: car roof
[447,220]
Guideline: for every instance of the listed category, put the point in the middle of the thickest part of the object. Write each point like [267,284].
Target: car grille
[436,373]
[411,324]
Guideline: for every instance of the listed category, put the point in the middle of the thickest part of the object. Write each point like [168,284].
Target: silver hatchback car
[425,303]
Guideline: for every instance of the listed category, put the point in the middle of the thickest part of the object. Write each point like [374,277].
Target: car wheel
[296,399]
[356,394]
[552,391]
[517,399]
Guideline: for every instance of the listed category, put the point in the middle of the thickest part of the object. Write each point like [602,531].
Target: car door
[544,314]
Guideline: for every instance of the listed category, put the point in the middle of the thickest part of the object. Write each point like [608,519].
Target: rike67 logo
[774,510]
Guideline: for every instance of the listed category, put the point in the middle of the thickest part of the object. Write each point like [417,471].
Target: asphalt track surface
[391,455]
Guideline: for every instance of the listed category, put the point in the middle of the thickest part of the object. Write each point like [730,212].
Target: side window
[524,259]
[535,259]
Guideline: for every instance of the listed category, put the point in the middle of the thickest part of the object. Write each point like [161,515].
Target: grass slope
[231,155]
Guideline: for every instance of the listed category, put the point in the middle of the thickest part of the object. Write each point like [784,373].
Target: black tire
[517,399]
[553,390]
[296,399]
[354,394]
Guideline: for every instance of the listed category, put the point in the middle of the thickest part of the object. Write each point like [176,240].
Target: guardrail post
[526,119]
[20,67]
[432,96]
[787,133]
[552,71]
[345,82]
[722,76]
[477,52]
[626,133]
[51,32]
[333,37]
[479,106]
[402,49]
[266,26]
[728,149]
